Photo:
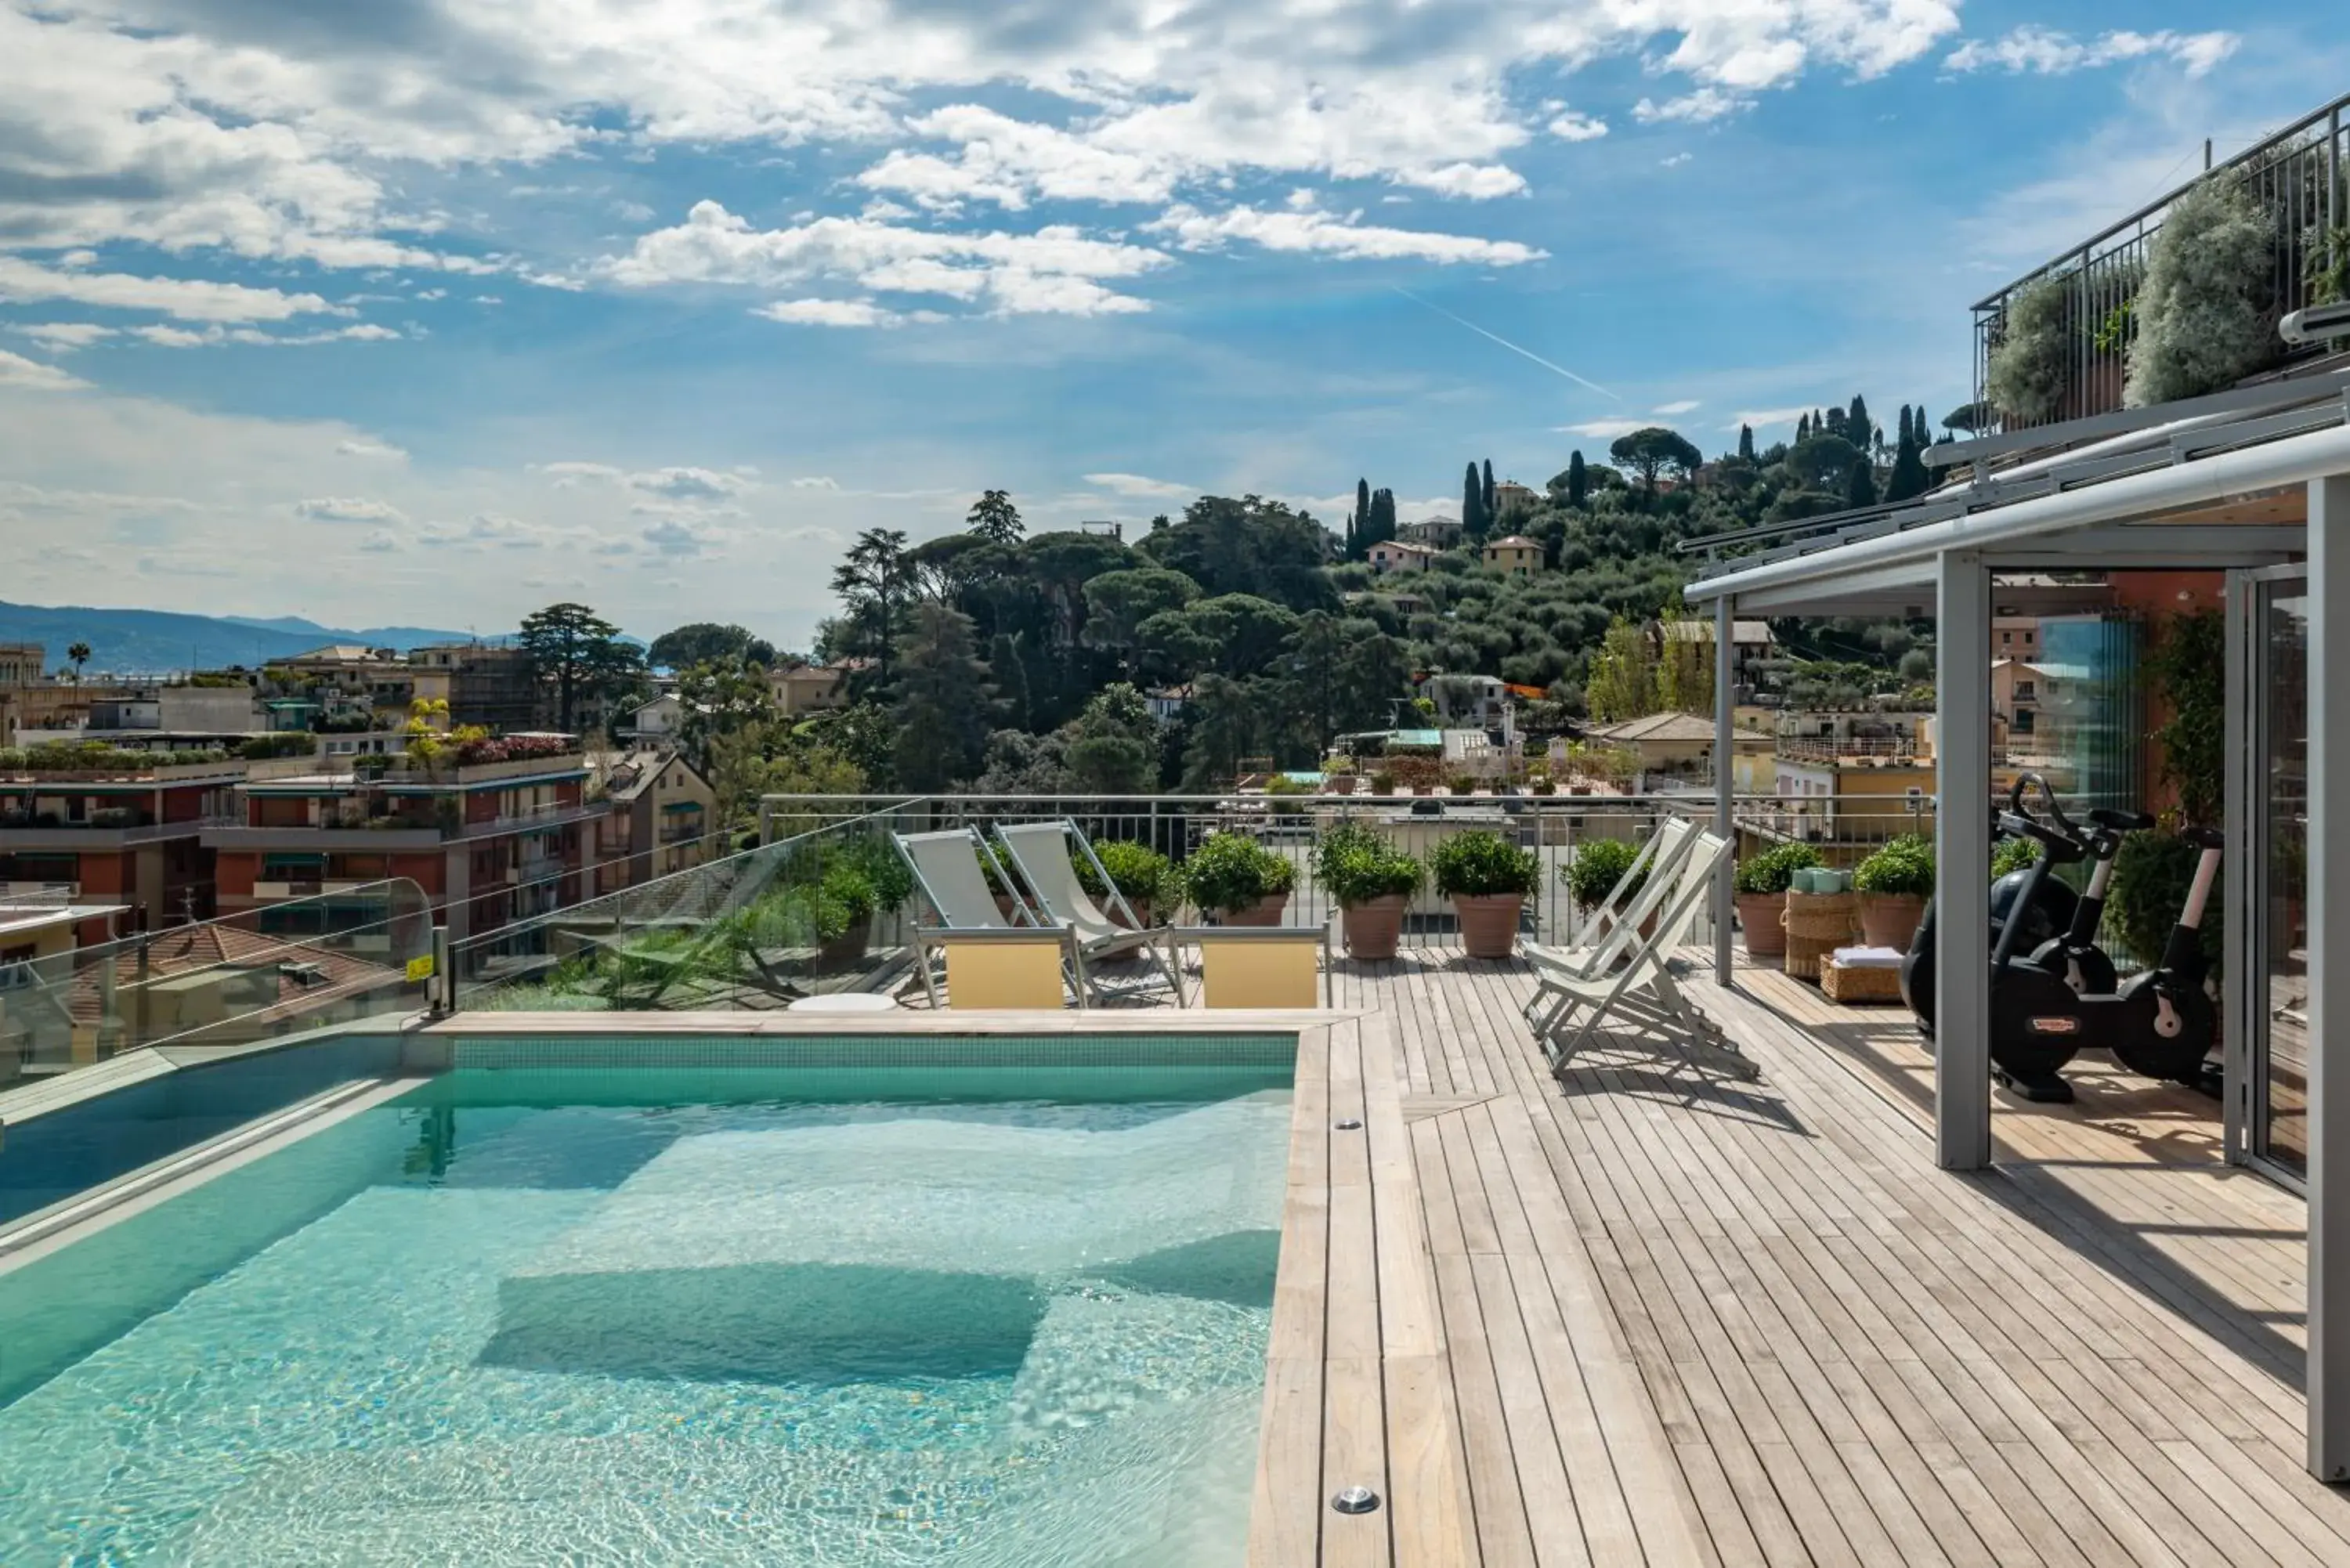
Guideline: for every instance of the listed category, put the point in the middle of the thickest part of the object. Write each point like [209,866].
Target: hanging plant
[2204,314]
[2030,367]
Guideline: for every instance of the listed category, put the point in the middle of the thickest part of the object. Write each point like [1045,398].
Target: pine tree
[1492,510]
[1746,442]
[1860,485]
[1578,481]
[1474,521]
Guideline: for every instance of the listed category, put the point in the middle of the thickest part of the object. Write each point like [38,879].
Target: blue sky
[419,313]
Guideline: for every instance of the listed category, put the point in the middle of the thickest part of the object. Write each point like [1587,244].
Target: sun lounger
[1261,966]
[948,868]
[1046,855]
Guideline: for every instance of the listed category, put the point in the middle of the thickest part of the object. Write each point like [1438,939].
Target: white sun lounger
[1641,988]
[1045,854]
[1614,931]
[947,867]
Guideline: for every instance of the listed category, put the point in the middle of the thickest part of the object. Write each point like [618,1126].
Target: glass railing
[823,910]
[215,985]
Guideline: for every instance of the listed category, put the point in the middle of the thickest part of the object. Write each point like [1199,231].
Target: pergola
[2254,478]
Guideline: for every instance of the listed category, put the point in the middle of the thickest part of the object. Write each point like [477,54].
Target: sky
[401,312]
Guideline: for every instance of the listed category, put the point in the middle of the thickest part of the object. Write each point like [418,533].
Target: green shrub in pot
[1372,881]
[1892,885]
[1232,874]
[1597,866]
[1772,871]
[1140,873]
[1487,876]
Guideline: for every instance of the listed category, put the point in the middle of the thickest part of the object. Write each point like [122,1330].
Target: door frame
[2245,821]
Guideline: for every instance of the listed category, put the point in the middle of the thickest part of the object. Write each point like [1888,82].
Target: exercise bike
[2074,954]
[2050,913]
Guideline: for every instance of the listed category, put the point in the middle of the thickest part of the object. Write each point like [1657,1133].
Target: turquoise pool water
[780,1314]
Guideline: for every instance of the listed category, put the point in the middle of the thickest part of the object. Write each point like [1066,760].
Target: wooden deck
[1648,1318]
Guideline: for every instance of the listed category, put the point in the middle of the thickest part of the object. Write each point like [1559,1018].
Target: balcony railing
[1867,752]
[2296,174]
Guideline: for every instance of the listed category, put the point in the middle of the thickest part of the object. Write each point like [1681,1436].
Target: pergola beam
[1963,861]
[2328,1363]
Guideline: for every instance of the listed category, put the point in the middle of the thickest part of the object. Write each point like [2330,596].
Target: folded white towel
[1869,958]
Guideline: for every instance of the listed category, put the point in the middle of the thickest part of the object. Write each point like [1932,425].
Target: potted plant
[1282,793]
[845,903]
[1383,782]
[1234,878]
[1487,876]
[1140,874]
[1894,885]
[1762,894]
[1544,785]
[1372,881]
[1597,866]
[1460,784]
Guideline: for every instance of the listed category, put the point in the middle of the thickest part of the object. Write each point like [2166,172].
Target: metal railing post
[441,991]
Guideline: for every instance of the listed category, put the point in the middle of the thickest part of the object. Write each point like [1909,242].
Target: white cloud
[1706,104]
[1576,126]
[184,299]
[382,542]
[1679,406]
[1604,430]
[1056,269]
[1675,160]
[186,337]
[828,313]
[2044,51]
[347,509]
[1142,486]
[63,337]
[369,447]
[31,375]
[1763,418]
[687,484]
[816,481]
[675,536]
[1328,234]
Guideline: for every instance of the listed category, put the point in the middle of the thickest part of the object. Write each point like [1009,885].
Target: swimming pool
[861,1302]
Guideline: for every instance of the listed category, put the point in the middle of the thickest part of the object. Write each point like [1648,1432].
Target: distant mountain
[151,642]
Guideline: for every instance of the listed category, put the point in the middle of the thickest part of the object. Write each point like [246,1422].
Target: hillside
[154,641]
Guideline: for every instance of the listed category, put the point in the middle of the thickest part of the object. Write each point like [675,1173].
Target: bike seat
[2204,838]
[2121,821]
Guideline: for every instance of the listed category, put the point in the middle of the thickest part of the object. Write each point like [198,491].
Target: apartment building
[130,832]
[660,812]
[488,841]
[1516,555]
[1437,534]
[488,684]
[21,664]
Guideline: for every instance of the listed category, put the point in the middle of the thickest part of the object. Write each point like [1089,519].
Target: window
[2023,690]
[2007,637]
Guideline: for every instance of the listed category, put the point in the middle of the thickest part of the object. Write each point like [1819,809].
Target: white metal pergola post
[1962,862]
[1724,668]
[2328,1367]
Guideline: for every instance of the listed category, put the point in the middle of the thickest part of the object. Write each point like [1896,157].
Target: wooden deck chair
[948,867]
[1656,859]
[1642,989]
[1558,971]
[1046,855]
[1261,966]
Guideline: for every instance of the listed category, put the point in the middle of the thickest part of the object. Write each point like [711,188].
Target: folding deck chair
[1045,854]
[947,867]
[1639,987]
[1614,929]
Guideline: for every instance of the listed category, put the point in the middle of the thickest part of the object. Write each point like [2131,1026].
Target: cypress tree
[1492,508]
[1858,428]
[1359,537]
[1803,429]
[1746,442]
[1909,478]
[1860,485]
[1383,508]
[1474,521]
[1902,428]
[1578,481]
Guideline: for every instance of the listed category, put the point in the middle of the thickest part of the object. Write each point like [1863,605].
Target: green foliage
[877,864]
[705,642]
[943,697]
[1904,865]
[286,744]
[1623,680]
[995,519]
[579,656]
[2188,666]
[1773,870]
[1597,866]
[1230,872]
[96,756]
[1356,863]
[2012,855]
[2152,873]
[1140,872]
[2031,364]
[1480,863]
[1654,450]
[2203,320]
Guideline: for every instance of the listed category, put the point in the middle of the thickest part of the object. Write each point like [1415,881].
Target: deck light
[1348,1124]
[1355,1500]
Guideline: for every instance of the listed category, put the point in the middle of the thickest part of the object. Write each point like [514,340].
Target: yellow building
[1516,555]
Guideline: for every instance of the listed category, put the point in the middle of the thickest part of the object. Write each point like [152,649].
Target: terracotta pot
[1264,912]
[1423,789]
[1489,923]
[1758,917]
[1373,930]
[1890,919]
[1141,921]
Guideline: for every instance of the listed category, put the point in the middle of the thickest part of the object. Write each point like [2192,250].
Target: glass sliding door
[2279,824]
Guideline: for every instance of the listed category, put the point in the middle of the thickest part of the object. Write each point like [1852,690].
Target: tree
[79,653]
[943,696]
[1622,682]
[1858,428]
[1004,663]
[1649,452]
[702,641]
[580,655]
[1823,462]
[1248,546]
[1746,443]
[1860,484]
[1223,722]
[1473,520]
[720,698]
[995,519]
[1112,747]
[1909,478]
[1493,507]
[1803,429]
[1119,603]
[873,583]
[1578,481]
[1383,516]
[1358,527]
[1903,437]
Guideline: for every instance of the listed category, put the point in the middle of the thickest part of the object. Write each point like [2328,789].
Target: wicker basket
[1876,983]
[1817,924]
